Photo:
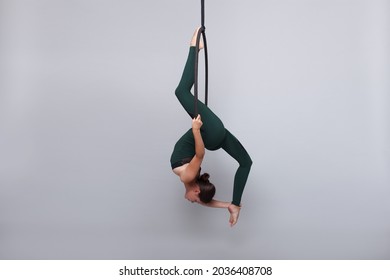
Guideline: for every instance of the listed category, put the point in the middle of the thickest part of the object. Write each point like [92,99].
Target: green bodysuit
[214,134]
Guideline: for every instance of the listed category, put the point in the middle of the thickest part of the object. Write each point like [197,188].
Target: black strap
[203,34]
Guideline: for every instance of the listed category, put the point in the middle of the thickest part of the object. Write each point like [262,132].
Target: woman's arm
[192,170]
[199,145]
[215,204]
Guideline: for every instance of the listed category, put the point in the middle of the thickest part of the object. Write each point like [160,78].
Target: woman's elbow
[200,155]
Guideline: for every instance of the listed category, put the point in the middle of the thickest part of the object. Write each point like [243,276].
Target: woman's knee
[247,162]
[178,91]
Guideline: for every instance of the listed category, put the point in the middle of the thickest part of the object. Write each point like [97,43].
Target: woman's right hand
[197,123]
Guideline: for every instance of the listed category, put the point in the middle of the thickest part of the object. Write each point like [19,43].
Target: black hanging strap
[203,34]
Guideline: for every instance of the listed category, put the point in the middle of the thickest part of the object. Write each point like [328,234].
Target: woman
[211,134]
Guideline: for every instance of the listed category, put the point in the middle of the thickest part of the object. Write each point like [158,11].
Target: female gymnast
[207,132]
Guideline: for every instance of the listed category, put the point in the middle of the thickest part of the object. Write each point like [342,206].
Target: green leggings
[213,132]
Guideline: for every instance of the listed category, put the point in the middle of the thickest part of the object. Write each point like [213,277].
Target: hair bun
[204,177]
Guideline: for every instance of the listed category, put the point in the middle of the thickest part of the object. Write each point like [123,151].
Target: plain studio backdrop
[88,120]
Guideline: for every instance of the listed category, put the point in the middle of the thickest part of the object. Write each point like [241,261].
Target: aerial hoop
[202,33]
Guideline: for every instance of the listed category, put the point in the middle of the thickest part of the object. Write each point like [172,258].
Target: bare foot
[234,211]
[193,40]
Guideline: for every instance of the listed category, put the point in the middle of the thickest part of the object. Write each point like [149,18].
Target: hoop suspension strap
[203,34]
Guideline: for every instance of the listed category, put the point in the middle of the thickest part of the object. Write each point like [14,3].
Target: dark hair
[207,189]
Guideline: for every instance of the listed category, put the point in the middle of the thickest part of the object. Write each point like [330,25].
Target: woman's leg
[183,90]
[234,148]
[213,131]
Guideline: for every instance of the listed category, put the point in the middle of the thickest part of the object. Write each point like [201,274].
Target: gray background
[88,119]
